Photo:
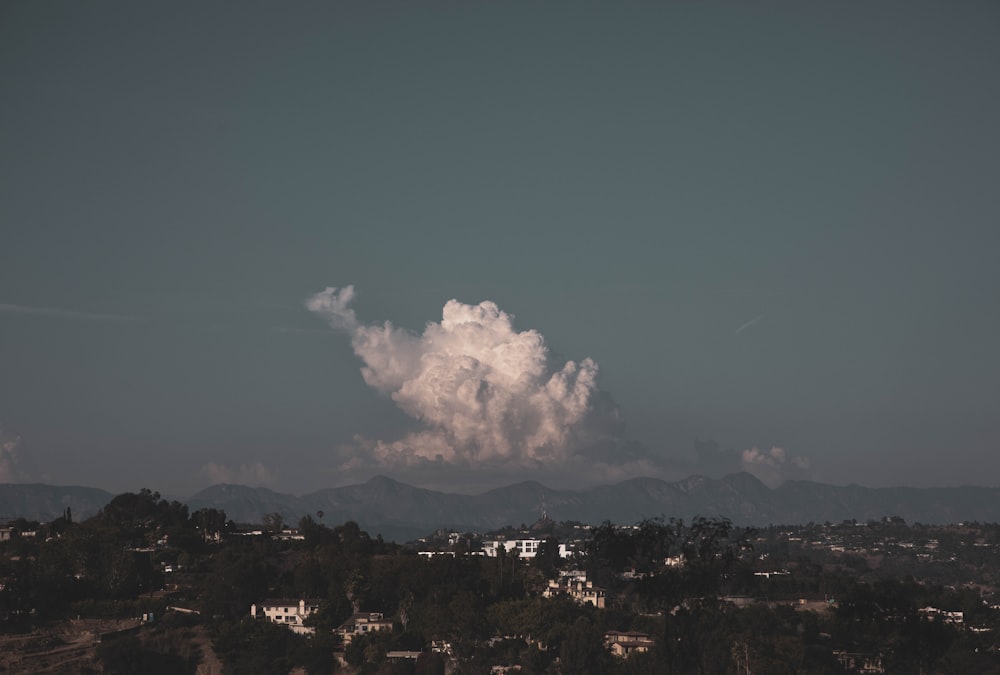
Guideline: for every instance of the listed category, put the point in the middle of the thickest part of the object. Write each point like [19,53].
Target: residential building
[525,548]
[941,615]
[624,643]
[287,612]
[401,656]
[581,590]
[859,663]
[363,623]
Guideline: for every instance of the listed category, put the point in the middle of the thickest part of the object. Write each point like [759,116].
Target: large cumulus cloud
[485,393]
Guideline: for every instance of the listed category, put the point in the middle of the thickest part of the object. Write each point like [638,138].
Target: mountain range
[402,512]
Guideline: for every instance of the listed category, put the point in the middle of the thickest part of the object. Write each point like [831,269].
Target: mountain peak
[745,480]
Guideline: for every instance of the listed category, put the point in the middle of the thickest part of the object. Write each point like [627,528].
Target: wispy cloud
[748,324]
[64,313]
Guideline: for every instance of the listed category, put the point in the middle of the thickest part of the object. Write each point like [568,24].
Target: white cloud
[486,394]
[774,466]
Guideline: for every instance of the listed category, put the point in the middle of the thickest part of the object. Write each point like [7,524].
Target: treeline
[113,557]
[691,587]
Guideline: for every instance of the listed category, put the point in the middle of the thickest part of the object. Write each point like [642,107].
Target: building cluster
[523,548]
[293,613]
[576,586]
[933,613]
[861,539]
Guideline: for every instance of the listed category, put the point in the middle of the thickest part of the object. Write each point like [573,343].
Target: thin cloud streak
[748,324]
[64,313]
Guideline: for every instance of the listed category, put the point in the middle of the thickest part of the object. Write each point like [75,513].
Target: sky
[297,245]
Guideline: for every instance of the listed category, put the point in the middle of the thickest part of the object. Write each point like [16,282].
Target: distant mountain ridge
[36,501]
[401,512]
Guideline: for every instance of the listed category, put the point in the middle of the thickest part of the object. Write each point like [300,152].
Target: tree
[583,651]
[316,653]
[273,522]
[211,522]
[128,656]
[547,557]
[608,550]
[313,533]
[430,663]
[697,640]
[612,550]
[249,646]
[238,576]
[711,548]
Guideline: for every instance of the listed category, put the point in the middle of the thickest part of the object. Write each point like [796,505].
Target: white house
[287,612]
